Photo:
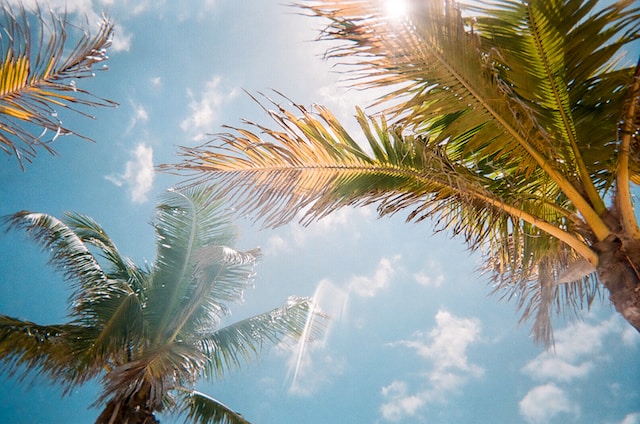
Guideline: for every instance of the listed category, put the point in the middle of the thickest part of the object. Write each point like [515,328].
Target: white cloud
[205,107]
[156,81]
[138,174]
[544,402]
[139,115]
[578,347]
[445,347]
[369,286]
[402,403]
[430,277]
[121,41]
[633,418]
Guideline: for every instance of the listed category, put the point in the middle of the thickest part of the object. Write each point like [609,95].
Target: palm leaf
[68,254]
[227,347]
[56,351]
[188,223]
[38,77]
[203,409]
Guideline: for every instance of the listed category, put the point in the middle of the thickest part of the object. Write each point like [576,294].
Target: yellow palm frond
[39,78]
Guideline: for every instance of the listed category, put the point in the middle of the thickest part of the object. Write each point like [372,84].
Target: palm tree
[38,74]
[513,124]
[149,332]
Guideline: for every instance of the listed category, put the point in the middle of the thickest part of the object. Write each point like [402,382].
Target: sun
[396,9]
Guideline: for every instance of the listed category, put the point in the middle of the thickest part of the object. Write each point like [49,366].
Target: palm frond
[38,77]
[153,373]
[203,409]
[55,351]
[187,224]
[68,254]
[228,347]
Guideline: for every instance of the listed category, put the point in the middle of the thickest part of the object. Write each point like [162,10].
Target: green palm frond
[38,77]
[192,231]
[56,351]
[203,409]
[228,347]
[68,254]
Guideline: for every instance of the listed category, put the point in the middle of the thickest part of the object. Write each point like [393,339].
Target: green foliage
[150,332]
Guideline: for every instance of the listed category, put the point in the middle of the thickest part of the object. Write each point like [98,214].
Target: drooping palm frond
[517,72]
[68,254]
[323,169]
[39,73]
[203,409]
[53,351]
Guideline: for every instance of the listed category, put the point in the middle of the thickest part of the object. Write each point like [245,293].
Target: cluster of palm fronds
[501,121]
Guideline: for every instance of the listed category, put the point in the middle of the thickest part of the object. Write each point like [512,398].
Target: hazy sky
[414,336]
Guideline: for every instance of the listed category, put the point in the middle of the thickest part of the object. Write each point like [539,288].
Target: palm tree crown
[38,74]
[513,124]
[149,332]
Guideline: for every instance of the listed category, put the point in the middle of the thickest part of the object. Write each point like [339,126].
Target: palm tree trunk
[619,270]
[132,410]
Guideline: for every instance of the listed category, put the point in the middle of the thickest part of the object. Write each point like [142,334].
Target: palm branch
[503,127]
[38,77]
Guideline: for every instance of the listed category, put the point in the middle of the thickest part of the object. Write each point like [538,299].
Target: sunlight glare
[396,9]
[332,301]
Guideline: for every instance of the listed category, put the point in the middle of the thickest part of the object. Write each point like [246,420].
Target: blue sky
[415,336]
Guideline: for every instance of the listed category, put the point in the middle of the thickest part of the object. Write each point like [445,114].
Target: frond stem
[623,189]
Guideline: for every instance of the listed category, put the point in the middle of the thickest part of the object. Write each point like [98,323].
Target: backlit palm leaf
[39,75]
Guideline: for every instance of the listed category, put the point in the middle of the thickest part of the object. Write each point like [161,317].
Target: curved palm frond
[203,409]
[188,225]
[227,347]
[323,169]
[68,254]
[38,77]
[503,73]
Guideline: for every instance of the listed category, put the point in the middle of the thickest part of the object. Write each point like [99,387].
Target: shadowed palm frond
[56,351]
[39,74]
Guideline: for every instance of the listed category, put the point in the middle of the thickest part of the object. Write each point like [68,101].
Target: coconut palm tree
[513,124]
[39,71]
[149,332]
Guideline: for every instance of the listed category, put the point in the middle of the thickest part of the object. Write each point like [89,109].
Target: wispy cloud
[445,349]
[633,418]
[577,349]
[138,175]
[580,348]
[370,285]
[544,402]
[296,236]
[431,275]
[205,107]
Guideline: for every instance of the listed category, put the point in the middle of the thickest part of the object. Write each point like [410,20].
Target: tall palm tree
[38,73]
[513,124]
[149,332]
